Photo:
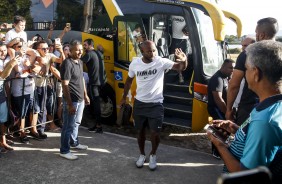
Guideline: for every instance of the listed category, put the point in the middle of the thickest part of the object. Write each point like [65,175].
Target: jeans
[41,96]
[69,135]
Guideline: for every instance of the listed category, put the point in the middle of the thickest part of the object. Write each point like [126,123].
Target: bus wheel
[108,105]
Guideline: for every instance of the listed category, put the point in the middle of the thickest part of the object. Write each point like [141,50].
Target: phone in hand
[217,132]
[24,47]
[53,24]
[57,41]
[68,25]
[9,26]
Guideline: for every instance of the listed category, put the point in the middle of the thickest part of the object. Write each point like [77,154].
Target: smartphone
[9,26]
[17,53]
[217,132]
[68,25]
[24,47]
[57,41]
[29,43]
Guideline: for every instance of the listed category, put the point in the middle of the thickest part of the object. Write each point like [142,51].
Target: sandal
[9,142]
[9,148]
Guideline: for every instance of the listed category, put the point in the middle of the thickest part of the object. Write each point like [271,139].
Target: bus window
[128,40]
[160,33]
[211,49]
[98,19]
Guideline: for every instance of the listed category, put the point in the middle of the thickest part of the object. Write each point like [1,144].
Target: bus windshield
[212,56]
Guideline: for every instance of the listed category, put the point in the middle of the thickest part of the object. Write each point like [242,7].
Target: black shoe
[215,154]
[93,129]
[59,123]
[99,130]
[16,134]
[24,139]
[42,135]
[36,136]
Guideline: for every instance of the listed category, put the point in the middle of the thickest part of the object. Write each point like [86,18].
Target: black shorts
[148,115]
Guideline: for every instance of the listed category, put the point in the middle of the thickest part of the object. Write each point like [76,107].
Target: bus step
[178,110]
[184,124]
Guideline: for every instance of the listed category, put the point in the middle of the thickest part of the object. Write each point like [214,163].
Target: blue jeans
[69,135]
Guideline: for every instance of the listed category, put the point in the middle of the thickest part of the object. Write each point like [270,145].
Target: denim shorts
[3,112]
[22,104]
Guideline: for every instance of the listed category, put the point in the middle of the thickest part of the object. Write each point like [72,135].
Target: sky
[250,11]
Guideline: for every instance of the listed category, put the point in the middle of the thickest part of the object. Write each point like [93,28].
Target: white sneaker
[140,161]
[69,156]
[153,162]
[80,147]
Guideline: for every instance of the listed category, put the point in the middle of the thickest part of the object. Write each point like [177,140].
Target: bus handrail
[236,20]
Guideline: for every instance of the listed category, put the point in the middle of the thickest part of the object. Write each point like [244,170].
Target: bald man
[266,29]
[148,108]
[246,42]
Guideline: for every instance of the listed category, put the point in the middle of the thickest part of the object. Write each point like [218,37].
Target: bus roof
[143,7]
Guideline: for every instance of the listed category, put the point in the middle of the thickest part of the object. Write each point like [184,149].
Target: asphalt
[110,158]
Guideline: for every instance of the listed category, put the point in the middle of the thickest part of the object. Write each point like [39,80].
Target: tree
[10,8]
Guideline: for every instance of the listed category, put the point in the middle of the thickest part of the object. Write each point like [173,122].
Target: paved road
[109,159]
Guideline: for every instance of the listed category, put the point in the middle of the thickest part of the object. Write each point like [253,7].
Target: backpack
[124,115]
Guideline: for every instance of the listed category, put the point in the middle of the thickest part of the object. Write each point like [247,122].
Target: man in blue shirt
[258,141]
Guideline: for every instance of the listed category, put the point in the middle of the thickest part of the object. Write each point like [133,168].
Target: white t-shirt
[47,60]
[13,34]
[149,78]
[178,23]
[4,62]
[17,84]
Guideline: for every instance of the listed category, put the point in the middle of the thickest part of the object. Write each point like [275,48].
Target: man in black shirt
[217,90]
[97,79]
[266,30]
[217,93]
[74,99]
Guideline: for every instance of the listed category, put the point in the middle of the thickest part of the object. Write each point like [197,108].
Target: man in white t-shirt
[148,110]
[180,38]
[45,60]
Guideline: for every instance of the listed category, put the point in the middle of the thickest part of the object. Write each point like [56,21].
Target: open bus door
[204,64]
[126,47]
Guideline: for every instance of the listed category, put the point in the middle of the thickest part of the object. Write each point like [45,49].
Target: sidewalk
[109,159]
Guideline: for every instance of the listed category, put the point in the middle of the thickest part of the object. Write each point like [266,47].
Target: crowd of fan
[32,90]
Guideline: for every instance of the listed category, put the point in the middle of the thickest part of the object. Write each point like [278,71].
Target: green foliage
[231,38]
[234,51]
[10,8]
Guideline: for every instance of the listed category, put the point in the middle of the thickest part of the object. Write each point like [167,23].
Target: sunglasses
[19,46]
[44,49]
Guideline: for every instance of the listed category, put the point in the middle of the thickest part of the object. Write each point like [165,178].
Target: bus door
[126,48]
[160,33]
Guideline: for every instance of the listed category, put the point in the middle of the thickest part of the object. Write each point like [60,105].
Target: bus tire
[108,105]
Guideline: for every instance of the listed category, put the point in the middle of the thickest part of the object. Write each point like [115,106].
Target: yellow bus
[111,23]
